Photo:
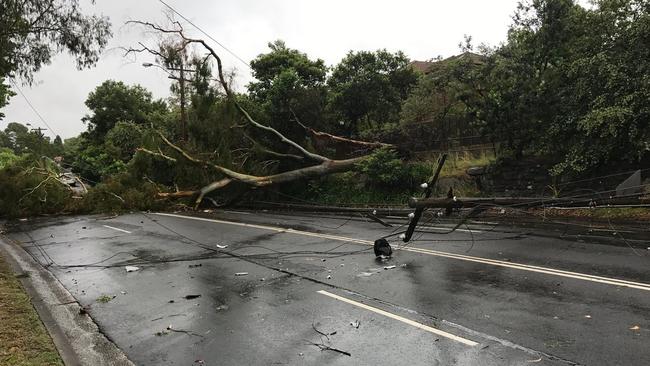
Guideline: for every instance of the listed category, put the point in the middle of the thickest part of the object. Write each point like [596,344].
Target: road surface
[306,289]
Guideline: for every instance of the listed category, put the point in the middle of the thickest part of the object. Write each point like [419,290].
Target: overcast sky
[323,29]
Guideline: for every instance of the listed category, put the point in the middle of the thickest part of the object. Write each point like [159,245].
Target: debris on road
[105,298]
[382,248]
[370,272]
[222,246]
[355,324]
[324,347]
[241,274]
[170,329]
[132,268]
[325,334]
[190,297]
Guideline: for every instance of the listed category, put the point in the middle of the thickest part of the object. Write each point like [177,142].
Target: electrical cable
[33,108]
[206,34]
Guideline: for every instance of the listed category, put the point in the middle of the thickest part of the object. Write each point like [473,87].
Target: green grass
[457,162]
[23,338]
[348,189]
[624,213]
[104,299]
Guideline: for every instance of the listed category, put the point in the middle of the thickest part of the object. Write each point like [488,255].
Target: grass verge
[23,338]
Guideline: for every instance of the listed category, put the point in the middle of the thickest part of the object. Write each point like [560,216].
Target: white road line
[238,212]
[118,229]
[400,318]
[493,262]
[449,228]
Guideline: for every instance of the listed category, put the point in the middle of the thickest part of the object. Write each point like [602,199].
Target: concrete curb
[75,335]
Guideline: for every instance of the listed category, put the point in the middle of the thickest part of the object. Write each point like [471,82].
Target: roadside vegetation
[23,338]
[568,88]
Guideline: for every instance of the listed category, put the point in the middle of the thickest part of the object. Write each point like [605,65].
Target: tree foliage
[32,31]
[367,88]
[21,140]
[571,83]
[114,101]
[288,83]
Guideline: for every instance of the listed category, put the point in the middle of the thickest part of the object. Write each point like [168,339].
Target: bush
[384,169]
[347,189]
[7,157]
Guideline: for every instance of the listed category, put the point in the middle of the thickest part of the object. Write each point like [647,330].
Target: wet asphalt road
[485,295]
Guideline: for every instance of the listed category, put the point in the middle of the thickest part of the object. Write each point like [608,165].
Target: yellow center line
[400,318]
[494,262]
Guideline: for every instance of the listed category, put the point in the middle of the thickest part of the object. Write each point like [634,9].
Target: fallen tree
[316,164]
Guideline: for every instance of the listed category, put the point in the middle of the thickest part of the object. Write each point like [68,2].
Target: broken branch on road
[326,335]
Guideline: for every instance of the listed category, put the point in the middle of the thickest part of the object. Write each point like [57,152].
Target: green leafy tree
[7,157]
[123,140]
[114,101]
[90,160]
[288,83]
[571,83]
[5,94]
[441,94]
[33,31]
[57,146]
[21,140]
[367,88]
[603,115]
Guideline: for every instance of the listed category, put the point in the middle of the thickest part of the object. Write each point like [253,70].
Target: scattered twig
[324,347]
[188,332]
[326,335]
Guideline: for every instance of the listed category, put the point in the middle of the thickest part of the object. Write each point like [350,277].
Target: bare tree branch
[273,153]
[160,154]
